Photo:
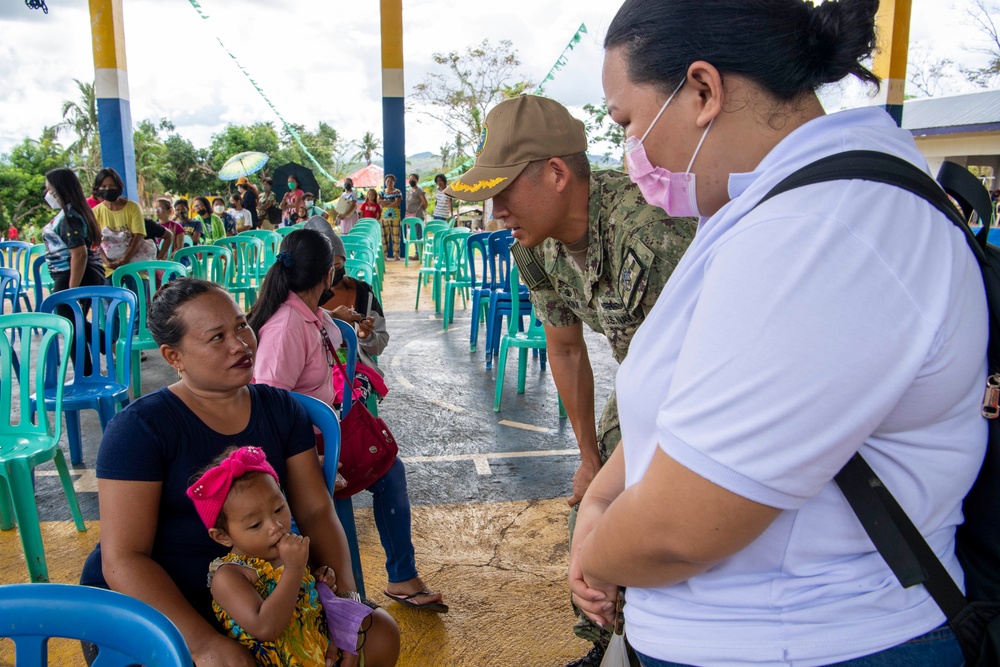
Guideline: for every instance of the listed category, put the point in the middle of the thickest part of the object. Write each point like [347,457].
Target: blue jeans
[937,648]
[391,504]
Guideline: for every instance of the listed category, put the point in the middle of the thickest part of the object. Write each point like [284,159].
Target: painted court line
[526,427]
[481,461]
[86,482]
[447,406]
[403,381]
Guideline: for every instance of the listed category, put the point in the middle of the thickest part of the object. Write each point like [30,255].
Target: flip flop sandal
[407,600]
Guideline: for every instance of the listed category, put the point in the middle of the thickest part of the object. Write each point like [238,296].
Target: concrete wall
[972,149]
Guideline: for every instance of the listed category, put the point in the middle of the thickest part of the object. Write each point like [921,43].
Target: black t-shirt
[362,290]
[159,439]
[250,204]
[154,230]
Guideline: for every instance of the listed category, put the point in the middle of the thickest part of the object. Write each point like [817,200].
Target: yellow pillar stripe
[392,34]
[893,25]
[108,29]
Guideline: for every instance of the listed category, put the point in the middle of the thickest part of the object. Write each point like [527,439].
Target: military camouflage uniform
[632,250]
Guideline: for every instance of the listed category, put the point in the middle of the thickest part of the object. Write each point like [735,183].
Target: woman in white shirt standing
[790,336]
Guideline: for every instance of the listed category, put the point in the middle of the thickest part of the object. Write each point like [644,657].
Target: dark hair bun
[840,34]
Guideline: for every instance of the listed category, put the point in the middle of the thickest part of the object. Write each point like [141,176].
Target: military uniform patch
[634,275]
[529,267]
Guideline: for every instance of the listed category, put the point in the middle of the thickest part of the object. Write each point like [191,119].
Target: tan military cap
[516,132]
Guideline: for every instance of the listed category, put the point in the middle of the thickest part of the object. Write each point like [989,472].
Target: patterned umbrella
[242,164]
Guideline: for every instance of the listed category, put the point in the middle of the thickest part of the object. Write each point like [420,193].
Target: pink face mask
[674,193]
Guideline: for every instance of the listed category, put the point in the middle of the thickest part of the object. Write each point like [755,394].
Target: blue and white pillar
[114,112]
[393,95]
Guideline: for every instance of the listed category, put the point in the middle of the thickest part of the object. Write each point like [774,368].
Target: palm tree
[80,118]
[446,156]
[367,147]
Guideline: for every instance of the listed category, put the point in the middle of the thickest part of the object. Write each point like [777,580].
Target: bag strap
[892,532]
[348,393]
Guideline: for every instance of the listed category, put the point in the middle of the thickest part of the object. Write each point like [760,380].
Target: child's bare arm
[263,619]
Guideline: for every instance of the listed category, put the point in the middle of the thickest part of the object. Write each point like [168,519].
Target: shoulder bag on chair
[367,448]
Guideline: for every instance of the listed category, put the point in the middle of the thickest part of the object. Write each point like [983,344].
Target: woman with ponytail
[839,317]
[295,337]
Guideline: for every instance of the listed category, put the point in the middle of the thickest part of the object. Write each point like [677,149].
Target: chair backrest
[208,262]
[188,242]
[105,302]
[126,631]
[410,224]
[10,288]
[360,269]
[498,259]
[247,252]
[18,420]
[14,253]
[36,250]
[285,231]
[476,243]
[41,277]
[272,244]
[453,251]
[364,220]
[351,341]
[360,252]
[325,419]
[534,326]
[143,279]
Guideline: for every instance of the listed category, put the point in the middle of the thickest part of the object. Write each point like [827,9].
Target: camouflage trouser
[609,434]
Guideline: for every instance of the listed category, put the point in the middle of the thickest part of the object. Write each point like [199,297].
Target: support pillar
[893,25]
[393,95]
[114,112]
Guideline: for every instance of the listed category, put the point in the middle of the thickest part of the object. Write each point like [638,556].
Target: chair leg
[542,357]
[105,411]
[522,368]
[562,409]
[420,286]
[67,484]
[345,512]
[73,436]
[501,371]
[23,494]
[6,510]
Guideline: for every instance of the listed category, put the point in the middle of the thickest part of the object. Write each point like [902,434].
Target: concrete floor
[488,491]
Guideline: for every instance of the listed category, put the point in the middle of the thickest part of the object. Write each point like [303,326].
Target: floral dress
[303,643]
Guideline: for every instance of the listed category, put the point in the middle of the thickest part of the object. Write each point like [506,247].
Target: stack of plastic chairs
[412,231]
[499,263]
[105,387]
[454,271]
[531,338]
[371,229]
[25,442]
[479,280]
[16,255]
[143,279]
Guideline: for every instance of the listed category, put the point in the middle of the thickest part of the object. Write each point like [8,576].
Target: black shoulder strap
[898,541]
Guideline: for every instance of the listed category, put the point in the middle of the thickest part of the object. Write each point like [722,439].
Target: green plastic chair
[285,231]
[412,231]
[360,270]
[455,274]
[29,443]
[246,276]
[371,230]
[532,338]
[430,229]
[441,271]
[208,262]
[27,274]
[272,244]
[143,278]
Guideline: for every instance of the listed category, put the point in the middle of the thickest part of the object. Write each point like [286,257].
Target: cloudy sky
[320,59]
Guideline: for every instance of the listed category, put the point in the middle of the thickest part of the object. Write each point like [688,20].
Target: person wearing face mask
[214,228]
[836,318]
[268,211]
[228,221]
[71,239]
[250,197]
[163,209]
[241,216]
[416,199]
[193,227]
[589,248]
[292,331]
[309,201]
[390,199]
[123,230]
[291,201]
[346,207]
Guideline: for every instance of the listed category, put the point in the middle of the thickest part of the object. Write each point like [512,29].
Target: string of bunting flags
[563,58]
[288,126]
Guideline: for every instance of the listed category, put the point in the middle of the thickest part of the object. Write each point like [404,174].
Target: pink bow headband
[210,491]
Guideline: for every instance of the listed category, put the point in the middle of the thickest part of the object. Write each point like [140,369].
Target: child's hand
[293,550]
[327,576]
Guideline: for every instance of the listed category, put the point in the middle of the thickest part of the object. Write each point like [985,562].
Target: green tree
[474,81]
[367,147]
[151,166]
[324,146]
[187,170]
[235,139]
[980,15]
[80,120]
[22,180]
[601,127]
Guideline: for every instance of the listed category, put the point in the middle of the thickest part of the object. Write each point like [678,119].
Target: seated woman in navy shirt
[153,546]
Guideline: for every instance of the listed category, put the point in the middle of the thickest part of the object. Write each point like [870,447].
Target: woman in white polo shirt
[839,317]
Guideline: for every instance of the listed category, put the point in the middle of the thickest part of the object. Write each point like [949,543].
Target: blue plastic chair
[325,419]
[125,630]
[27,273]
[479,279]
[498,262]
[16,255]
[41,278]
[143,279]
[29,438]
[100,390]
[10,289]
[351,342]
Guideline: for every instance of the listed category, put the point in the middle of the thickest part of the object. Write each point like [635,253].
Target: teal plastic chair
[285,231]
[41,278]
[446,263]
[100,389]
[456,276]
[15,255]
[430,230]
[28,274]
[532,338]
[412,231]
[245,277]
[372,230]
[359,270]
[325,419]
[26,442]
[208,262]
[126,631]
[272,245]
[143,279]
